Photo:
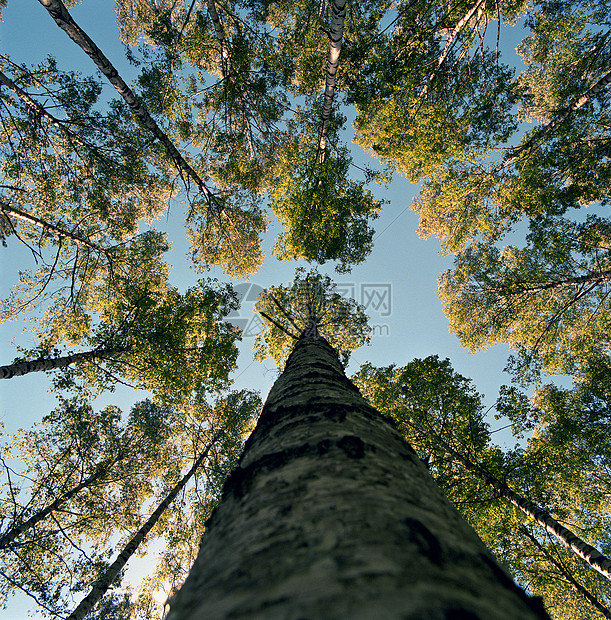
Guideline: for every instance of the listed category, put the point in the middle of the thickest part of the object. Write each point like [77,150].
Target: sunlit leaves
[549,300]
[309,305]
[128,463]
[326,214]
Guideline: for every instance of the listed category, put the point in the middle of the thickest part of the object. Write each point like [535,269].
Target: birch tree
[547,300]
[210,207]
[310,304]
[68,552]
[305,516]
[170,343]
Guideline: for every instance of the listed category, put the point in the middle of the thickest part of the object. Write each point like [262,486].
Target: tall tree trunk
[12,211]
[101,585]
[17,369]
[589,278]
[336,34]
[599,562]
[331,514]
[64,20]
[578,587]
[477,7]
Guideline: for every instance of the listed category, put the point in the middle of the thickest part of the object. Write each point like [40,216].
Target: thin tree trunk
[336,34]
[587,595]
[446,50]
[604,81]
[37,109]
[64,20]
[218,27]
[331,514]
[101,585]
[18,369]
[17,530]
[593,278]
[12,211]
[599,562]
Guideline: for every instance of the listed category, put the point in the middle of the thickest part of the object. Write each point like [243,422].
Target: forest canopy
[222,128]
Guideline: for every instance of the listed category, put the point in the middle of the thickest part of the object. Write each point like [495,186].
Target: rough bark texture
[330,514]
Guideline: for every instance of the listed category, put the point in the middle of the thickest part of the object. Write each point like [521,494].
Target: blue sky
[398,280]
[413,325]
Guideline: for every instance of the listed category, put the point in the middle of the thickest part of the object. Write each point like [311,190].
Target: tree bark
[12,211]
[17,369]
[590,278]
[477,7]
[14,532]
[331,514]
[587,595]
[336,34]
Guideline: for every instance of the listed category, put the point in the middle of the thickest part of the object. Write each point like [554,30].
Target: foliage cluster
[237,110]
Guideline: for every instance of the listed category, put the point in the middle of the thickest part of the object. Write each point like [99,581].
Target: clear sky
[397,283]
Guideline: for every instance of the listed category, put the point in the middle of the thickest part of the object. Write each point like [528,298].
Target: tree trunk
[64,20]
[101,585]
[16,530]
[336,34]
[331,514]
[563,570]
[17,369]
[477,7]
[589,278]
[12,211]
[599,562]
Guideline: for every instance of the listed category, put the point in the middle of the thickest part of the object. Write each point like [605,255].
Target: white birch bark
[330,514]
[477,7]
[598,561]
[44,364]
[336,34]
[63,19]
[13,211]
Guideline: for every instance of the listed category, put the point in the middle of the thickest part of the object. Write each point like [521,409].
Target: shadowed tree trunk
[331,514]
